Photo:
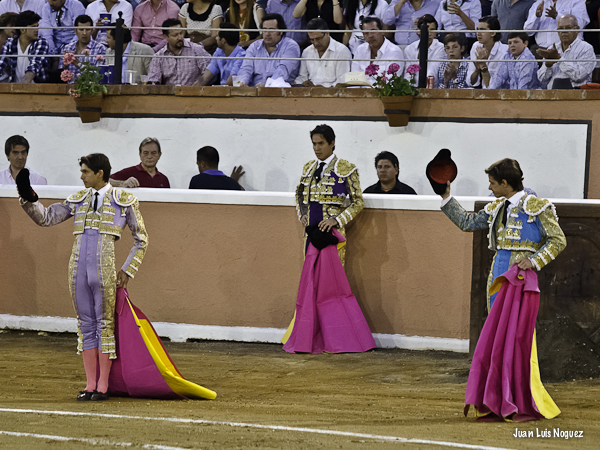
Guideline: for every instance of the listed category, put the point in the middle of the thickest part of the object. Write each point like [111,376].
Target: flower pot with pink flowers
[395,91]
[87,91]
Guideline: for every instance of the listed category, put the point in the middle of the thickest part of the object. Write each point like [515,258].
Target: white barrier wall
[273,152]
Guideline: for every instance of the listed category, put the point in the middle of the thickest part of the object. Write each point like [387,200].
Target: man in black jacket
[210,177]
[388,169]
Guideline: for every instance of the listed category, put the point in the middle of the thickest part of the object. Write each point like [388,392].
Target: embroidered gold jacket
[532,227]
[338,191]
[119,208]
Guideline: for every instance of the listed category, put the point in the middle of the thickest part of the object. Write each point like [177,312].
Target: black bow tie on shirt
[319,172]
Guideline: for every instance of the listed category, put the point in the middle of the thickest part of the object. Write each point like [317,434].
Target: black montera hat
[440,170]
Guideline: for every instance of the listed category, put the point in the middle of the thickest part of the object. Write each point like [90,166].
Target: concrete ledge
[181,332]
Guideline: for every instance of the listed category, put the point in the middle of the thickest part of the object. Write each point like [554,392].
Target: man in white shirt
[544,15]
[570,48]
[98,9]
[435,49]
[334,58]
[376,49]
[17,150]
[18,6]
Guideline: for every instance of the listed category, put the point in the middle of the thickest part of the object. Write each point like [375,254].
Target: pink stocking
[105,364]
[90,359]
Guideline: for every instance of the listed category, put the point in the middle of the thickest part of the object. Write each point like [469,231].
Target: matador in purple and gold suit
[92,273]
[336,194]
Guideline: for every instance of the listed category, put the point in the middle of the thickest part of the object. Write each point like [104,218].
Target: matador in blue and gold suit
[531,231]
[337,194]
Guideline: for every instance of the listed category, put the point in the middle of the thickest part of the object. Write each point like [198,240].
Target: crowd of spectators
[337,37]
[147,175]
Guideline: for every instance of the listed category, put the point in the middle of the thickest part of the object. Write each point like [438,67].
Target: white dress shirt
[101,193]
[447,21]
[327,161]
[435,51]
[30,5]
[387,51]
[498,52]
[578,72]
[34,177]
[574,7]
[98,7]
[330,70]
[357,37]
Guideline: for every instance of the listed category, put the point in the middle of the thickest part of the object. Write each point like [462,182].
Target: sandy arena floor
[269,399]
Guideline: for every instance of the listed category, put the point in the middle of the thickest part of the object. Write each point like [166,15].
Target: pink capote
[134,373]
[328,317]
[499,379]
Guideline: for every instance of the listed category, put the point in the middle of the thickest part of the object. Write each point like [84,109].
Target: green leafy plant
[87,83]
[390,84]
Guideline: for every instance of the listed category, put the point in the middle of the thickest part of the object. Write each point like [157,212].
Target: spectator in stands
[521,75]
[511,14]
[18,6]
[329,10]
[178,71]
[245,15]
[405,14]
[84,41]
[8,19]
[104,12]
[60,13]
[145,174]
[435,49]
[227,41]
[571,74]
[285,8]
[136,56]
[354,14]
[544,14]
[33,69]
[202,15]
[377,47]
[152,13]
[452,74]
[459,15]
[17,149]
[274,44]
[388,169]
[210,177]
[334,58]
[488,47]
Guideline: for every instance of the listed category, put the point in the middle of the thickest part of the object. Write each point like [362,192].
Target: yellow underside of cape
[179,385]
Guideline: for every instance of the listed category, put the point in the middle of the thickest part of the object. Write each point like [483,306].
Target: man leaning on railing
[31,69]
[178,71]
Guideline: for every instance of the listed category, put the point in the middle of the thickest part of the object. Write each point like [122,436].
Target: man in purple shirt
[273,45]
[286,9]
[226,69]
[145,174]
[178,71]
[152,13]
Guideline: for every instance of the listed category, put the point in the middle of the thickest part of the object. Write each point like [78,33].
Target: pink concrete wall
[237,265]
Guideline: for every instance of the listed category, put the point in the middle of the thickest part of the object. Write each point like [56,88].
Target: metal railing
[423,60]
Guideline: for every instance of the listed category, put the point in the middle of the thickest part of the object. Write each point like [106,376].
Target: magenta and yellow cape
[504,380]
[143,367]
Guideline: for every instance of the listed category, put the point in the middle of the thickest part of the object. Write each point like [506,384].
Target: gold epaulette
[534,206]
[307,167]
[123,198]
[343,168]
[78,196]
[492,207]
